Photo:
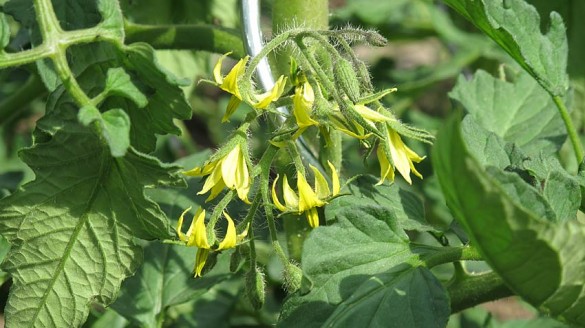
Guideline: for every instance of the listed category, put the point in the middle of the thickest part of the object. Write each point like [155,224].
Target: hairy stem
[476,289]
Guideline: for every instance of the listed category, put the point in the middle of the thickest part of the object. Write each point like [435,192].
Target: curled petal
[275,199]
[181,235]
[386,169]
[272,95]
[229,241]
[200,260]
[217,69]
[334,179]
[321,186]
[290,197]
[231,108]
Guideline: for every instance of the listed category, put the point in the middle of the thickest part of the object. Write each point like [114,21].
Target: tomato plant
[163,165]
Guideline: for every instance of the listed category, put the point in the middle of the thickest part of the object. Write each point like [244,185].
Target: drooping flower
[402,158]
[229,83]
[230,171]
[308,199]
[197,236]
[264,99]
[303,105]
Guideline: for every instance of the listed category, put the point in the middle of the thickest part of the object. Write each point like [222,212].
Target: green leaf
[404,206]
[365,254]
[165,279]
[72,229]
[520,112]
[114,125]
[166,100]
[515,26]
[406,296]
[4,32]
[515,241]
[119,83]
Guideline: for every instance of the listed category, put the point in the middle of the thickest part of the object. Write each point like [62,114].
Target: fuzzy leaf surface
[516,242]
[520,112]
[73,228]
[360,263]
[515,26]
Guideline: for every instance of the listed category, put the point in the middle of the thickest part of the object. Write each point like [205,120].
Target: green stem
[10,106]
[310,14]
[453,254]
[476,289]
[192,37]
[223,203]
[577,147]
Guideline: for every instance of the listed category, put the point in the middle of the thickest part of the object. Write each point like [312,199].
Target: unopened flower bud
[293,276]
[347,80]
[255,288]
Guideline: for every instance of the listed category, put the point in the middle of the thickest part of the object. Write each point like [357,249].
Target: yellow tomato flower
[264,99]
[303,105]
[229,83]
[229,171]
[308,198]
[197,236]
[402,158]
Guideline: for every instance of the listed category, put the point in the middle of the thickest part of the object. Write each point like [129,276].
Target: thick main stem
[286,14]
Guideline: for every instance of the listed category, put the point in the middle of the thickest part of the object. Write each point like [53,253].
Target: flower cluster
[320,98]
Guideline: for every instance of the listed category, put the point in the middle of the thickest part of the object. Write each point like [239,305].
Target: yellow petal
[230,81]
[200,260]
[312,217]
[290,197]
[303,105]
[213,179]
[272,95]
[217,69]
[231,108]
[334,179]
[369,114]
[200,212]
[386,169]
[229,241]
[307,197]
[399,155]
[215,190]
[230,166]
[198,171]
[321,186]
[240,237]
[181,235]
[235,172]
[197,232]
[275,199]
